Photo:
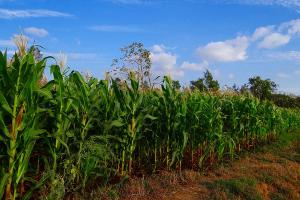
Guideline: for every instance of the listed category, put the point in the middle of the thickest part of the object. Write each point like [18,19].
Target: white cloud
[274,40]
[262,32]
[292,27]
[39,32]
[270,37]
[165,62]
[293,56]
[225,51]
[194,66]
[6,43]
[114,28]
[10,14]
[158,48]
[162,58]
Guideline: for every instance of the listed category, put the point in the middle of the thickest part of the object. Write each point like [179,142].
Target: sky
[234,39]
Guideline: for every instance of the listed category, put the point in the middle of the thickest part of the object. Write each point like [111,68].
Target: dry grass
[271,174]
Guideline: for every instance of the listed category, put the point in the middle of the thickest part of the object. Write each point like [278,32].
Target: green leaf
[3,126]
[116,123]
[147,116]
[44,92]
[4,104]
[3,181]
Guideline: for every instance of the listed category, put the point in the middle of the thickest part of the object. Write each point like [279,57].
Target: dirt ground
[271,173]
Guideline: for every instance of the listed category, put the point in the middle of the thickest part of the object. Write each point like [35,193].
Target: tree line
[136,58]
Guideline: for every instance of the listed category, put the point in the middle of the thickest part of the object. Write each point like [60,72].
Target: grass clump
[242,188]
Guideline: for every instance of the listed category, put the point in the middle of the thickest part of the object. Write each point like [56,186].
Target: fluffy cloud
[270,37]
[10,14]
[262,32]
[165,62]
[225,51]
[274,40]
[161,58]
[39,32]
[292,27]
[194,66]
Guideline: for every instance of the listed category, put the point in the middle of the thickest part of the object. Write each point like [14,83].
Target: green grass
[284,140]
[289,144]
[286,146]
[236,188]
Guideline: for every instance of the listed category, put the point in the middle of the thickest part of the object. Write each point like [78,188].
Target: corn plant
[84,131]
[133,116]
[20,117]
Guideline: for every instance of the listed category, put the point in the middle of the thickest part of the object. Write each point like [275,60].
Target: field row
[72,132]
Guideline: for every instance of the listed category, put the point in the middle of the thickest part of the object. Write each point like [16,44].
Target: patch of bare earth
[269,175]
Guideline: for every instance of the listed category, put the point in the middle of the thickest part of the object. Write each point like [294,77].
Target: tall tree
[199,84]
[207,83]
[261,88]
[135,58]
[176,84]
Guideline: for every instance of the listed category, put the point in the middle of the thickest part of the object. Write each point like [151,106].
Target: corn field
[73,132]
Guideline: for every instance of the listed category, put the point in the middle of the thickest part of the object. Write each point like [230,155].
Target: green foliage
[135,59]
[207,83]
[21,117]
[77,132]
[261,88]
[176,84]
[285,101]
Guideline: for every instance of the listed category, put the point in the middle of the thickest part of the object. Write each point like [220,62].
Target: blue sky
[235,39]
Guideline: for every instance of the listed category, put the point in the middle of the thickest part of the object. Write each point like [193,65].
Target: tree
[244,89]
[198,84]
[176,84]
[261,88]
[135,58]
[207,83]
[285,100]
